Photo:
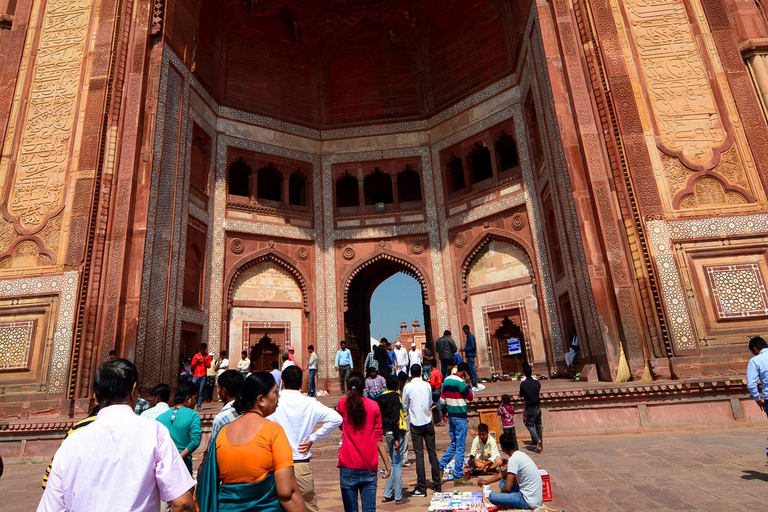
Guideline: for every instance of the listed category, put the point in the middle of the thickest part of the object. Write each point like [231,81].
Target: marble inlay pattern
[15,344]
[680,325]
[739,290]
[65,286]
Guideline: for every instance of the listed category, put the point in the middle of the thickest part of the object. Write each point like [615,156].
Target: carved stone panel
[37,188]
[683,103]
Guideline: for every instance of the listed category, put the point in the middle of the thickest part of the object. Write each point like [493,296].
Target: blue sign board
[513,345]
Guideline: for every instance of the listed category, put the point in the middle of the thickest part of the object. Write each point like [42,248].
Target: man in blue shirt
[470,352]
[758,369]
[343,365]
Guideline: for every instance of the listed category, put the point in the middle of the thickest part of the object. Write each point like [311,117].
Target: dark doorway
[357,314]
[504,325]
[264,350]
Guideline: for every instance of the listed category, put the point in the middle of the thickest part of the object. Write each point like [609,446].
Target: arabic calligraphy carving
[46,141]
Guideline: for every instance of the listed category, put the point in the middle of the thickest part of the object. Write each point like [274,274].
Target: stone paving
[710,470]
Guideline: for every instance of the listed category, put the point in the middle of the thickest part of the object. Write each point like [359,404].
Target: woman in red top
[361,446]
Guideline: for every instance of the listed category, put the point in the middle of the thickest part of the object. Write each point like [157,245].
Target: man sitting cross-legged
[520,481]
[484,457]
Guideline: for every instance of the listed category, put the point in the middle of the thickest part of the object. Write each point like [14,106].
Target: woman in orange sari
[249,465]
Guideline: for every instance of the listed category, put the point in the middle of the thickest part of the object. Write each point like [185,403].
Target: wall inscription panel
[681,98]
[45,148]
[16,344]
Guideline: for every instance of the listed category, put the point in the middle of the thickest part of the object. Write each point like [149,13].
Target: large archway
[358,290]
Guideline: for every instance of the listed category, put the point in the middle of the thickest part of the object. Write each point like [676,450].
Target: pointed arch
[481,242]
[409,267]
[278,258]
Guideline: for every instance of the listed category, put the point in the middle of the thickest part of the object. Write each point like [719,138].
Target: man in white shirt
[312,365]
[298,415]
[230,383]
[159,397]
[121,461]
[414,356]
[417,400]
[520,484]
[401,358]
[244,364]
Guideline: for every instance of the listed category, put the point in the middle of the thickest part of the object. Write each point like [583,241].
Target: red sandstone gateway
[245,174]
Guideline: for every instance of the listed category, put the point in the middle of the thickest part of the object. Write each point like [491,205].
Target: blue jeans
[358,480]
[312,373]
[445,370]
[511,499]
[472,372]
[457,429]
[200,383]
[395,480]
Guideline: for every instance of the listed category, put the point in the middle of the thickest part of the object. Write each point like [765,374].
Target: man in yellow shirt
[484,456]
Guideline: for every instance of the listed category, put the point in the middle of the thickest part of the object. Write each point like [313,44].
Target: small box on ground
[546,486]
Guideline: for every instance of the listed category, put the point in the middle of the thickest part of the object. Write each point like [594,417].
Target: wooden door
[265,347]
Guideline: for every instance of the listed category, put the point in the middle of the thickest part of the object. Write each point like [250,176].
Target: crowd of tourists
[133,453]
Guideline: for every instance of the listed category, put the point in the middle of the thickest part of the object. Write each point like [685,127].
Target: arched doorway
[360,285]
[500,287]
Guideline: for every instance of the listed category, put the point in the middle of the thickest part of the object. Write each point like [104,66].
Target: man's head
[343,344]
[507,443]
[416,371]
[285,356]
[274,365]
[291,350]
[392,383]
[482,432]
[371,372]
[398,344]
[402,379]
[203,348]
[384,341]
[116,382]
[446,332]
[223,354]
[413,346]
[465,329]
[186,395]
[160,393]
[462,369]
[230,384]
[527,370]
[311,349]
[433,363]
[112,355]
[244,354]
[292,377]
[449,366]
[757,344]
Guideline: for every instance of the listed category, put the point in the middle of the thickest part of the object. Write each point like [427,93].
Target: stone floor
[713,470]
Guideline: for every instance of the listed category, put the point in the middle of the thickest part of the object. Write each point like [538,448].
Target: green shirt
[185,430]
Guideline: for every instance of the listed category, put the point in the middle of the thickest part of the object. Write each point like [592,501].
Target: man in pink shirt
[121,461]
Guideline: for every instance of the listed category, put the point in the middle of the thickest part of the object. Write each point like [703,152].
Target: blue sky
[396,299]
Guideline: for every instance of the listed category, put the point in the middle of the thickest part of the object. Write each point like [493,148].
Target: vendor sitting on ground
[484,457]
[520,481]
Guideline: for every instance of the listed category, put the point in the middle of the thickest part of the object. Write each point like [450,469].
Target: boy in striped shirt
[456,393]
